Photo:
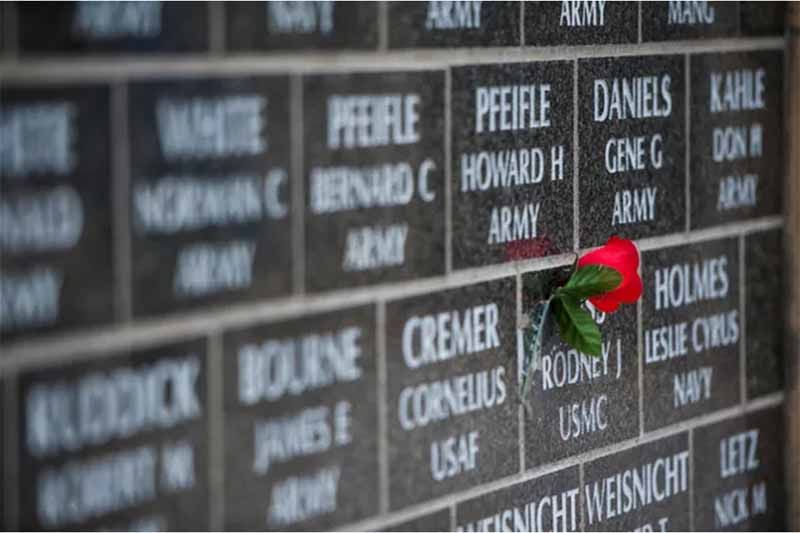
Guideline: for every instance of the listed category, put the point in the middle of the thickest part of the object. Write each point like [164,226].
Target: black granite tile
[512,165]
[435,521]
[581,23]
[762,18]
[691,19]
[691,331]
[300,418]
[738,474]
[764,285]
[116,443]
[453,24]
[301,25]
[631,144]
[451,406]
[547,503]
[578,402]
[210,192]
[112,27]
[645,488]
[736,136]
[374,177]
[55,209]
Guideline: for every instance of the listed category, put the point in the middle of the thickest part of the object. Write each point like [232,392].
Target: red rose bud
[623,256]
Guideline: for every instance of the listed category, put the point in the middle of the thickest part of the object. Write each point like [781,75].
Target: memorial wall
[269,265]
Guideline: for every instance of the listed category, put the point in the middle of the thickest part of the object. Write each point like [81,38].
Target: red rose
[623,256]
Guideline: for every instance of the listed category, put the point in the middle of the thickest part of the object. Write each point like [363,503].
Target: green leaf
[591,280]
[576,325]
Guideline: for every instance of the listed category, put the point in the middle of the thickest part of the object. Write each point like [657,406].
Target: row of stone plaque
[228,190]
[736,476]
[146,27]
[123,440]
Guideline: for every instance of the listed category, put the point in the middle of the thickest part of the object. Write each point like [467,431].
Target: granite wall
[264,266]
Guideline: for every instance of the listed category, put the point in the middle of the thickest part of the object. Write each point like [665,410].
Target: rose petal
[623,256]
[630,290]
[605,303]
[617,253]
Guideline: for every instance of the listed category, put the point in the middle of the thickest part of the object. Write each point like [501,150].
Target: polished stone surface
[580,403]
[210,192]
[315,374]
[112,27]
[764,308]
[268,26]
[451,363]
[671,21]
[581,23]
[736,136]
[546,503]
[738,474]
[512,169]
[451,24]
[116,443]
[691,329]
[613,496]
[374,194]
[632,147]
[55,185]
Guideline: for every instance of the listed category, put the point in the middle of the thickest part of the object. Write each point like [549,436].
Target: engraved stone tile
[547,503]
[512,161]
[762,18]
[578,402]
[435,521]
[764,284]
[451,403]
[290,25]
[210,192]
[55,209]
[116,443]
[300,422]
[738,474]
[737,136]
[632,151]
[452,24]
[692,19]
[645,488]
[374,178]
[112,27]
[580,23]
[691,330]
